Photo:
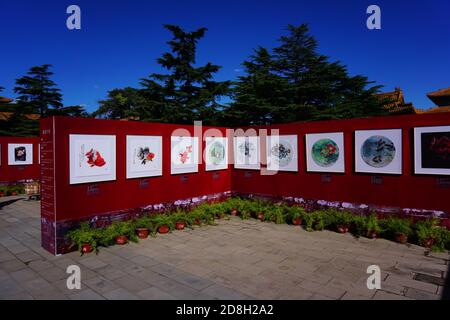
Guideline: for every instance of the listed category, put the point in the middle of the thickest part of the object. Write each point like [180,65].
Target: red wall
[72,201]
[10,174]
[406,190]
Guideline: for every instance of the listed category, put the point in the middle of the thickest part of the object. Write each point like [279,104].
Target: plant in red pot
[399,228]
[372,227]
[295,214]
[143,226]
[84,238]
[342,220]
[426,232]
[122,232]
[163,223]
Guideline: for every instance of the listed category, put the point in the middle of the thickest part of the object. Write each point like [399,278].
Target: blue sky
[120,40]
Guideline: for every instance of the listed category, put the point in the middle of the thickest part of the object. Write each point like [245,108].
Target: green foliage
[294,212]
[85,235]
[164,219]
[395,226]
[118,228]
[8,190]
[372,224]
[145,222]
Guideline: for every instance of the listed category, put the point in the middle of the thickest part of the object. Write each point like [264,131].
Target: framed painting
[144,156]
[216,153]
[184,154]
[92,158]
[325,152]
[246,153]
[282,153]
[20,154]
[432,150]
[378,151]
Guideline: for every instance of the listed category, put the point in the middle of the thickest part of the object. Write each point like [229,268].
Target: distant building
[7,108]
[442,100]
[394,102]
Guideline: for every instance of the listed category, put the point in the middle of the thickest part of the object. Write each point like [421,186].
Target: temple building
[394,102]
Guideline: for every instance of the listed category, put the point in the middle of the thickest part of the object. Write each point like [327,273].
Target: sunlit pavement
[233,260]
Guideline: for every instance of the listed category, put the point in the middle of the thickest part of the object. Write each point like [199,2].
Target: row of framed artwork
[19,154]
[93,157]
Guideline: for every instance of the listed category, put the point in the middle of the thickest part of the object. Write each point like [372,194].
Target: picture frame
[282,153]
[20,154]
[432,150]
[216,153]
[184,154]
[325,152]
[144,156]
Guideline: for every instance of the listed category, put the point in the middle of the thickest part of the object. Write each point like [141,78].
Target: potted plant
[295,214]
[163,223]
[143,226]
[84,238]
[179,217]
[372,227]
[342,221]
[399,229]
[120,232]
[425,232]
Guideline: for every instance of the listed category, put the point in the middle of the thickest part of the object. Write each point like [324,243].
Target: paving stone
[24,275]
[100,285]
[154,293]
[28,256]
[120,294]
[382,295]
[131,283]
[224,293]
[86,294]
[421,295]
[12,265]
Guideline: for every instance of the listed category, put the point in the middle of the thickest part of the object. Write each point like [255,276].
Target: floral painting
[216,153]
[92,158]
[282,153]
[246,152]
[325,152]
[144,156]
[378,151]
[20,154]
[184,154]
[432,150]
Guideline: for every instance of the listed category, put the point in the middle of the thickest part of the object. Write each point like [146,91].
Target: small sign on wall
[248,174]
[93,189]
[325,178]
[376,180]
[184,179]
[443,182]
[144,183]
[216,175]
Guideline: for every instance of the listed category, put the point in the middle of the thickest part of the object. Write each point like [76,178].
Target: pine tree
[126,103]
[37,92]
[186,93]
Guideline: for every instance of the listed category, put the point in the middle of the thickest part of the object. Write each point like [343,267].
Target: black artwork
[20,154]
[435,150]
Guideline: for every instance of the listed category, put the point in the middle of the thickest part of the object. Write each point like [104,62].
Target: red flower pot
[2,194]
[120,240]
[142,233]
[297,221]
[179,225]
[86,248]
[163,229]
[401,238]
[428,243]
[14,193]
[260,216]
[197,222]
[342,229]
[234,212]
[372,234]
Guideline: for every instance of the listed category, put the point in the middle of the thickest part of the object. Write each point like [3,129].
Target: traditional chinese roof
[7,115]
[440,97]
[5,100]
[434,110]
[394,102]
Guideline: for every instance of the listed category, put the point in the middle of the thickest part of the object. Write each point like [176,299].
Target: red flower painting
[94,159]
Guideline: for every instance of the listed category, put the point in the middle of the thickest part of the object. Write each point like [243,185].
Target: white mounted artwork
[20,154]
[325,152]
[144,156]
[432,150]
[282,153]
[378,151]
[246,153]
[92,158]
[184,154]
[216,153]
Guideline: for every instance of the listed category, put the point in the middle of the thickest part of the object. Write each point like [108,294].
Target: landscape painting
[325,152]
[432,150]
[144,156]
[246,153]
[216,153]
[92,158]
[378,151]
[282,153]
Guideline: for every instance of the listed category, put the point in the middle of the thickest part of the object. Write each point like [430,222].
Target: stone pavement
[234,260]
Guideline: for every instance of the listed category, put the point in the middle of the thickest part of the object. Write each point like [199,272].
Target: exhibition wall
[393,185]
[104,170]
[19,159]
[93,184]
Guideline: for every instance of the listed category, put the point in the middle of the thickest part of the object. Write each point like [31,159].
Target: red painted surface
[406,190]
[72,202]
[11,174]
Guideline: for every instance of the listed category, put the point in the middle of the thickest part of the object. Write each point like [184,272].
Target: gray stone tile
[86,294]
[120,294]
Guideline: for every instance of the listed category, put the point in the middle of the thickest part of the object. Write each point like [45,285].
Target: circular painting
[378,151]
[282,153]
[325,152]
[246,149]
[216,152]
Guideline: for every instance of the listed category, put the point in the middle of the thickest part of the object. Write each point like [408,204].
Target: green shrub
[163,219]
[294,212]
[395,226]
[85,235]
[144,222]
